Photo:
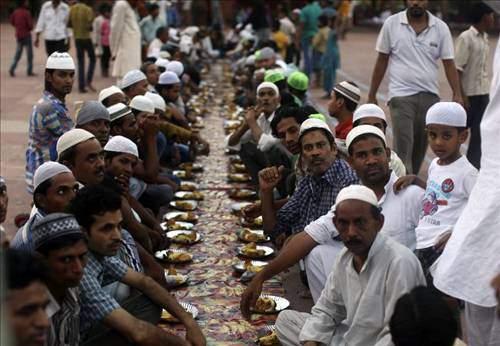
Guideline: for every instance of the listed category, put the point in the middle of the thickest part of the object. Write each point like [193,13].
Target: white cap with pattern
[120,144]
[60,61]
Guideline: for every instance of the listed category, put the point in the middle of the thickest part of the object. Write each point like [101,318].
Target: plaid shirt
[313,198]
[48,121]
[95,302]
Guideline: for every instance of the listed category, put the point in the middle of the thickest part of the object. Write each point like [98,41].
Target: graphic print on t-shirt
[436,194]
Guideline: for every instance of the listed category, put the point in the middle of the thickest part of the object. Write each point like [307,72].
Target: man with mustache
[94,117]
[50,117]
[369,276]
[411,43]
[253,139]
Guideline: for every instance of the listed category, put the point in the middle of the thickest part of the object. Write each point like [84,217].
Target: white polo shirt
[401,212]
[413,61]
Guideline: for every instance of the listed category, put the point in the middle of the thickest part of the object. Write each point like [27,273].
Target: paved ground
[17,96]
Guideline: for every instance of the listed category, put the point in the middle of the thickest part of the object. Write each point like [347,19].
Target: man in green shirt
[81,17]
[307,29]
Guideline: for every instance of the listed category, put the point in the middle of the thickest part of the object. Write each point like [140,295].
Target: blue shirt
[313,198]
[309,17]
[149,26]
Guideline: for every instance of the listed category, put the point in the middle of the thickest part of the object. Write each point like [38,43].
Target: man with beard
[94,117]
[60,242]
[411,43]
[50,117]
[253,139]
[369,276]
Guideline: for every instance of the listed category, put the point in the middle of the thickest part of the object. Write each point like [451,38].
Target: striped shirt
[64,320]
[313,198]
[49,120]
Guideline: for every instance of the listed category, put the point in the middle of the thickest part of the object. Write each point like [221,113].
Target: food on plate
[248,235]
[177,256]
[239,177]
[191,166]
[188,216]
[249,267]
[193,195]
[186,238]
[185,205]
[175,226]
[174,277]
[239,168]
[187,187]
[265,304]
[252,251]
[172,271]
[168,317]
[269,340]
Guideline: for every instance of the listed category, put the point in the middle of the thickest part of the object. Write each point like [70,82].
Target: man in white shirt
[411,42]
[369,276]
[53,22]
[471,57]
[254,140]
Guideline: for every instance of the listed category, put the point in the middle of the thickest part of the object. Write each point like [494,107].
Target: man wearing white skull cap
[50,117]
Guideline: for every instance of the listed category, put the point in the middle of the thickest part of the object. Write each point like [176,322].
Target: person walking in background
[471,57]
[288,28]
[23,22]
[331,60]
[125,38]
[97,37]
[81,17]
[52,21]
[307,29]
[280,38]
[319,47]
[343,19]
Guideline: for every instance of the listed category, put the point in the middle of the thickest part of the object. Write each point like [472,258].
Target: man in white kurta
[369,276]
[471,258]
[125,38]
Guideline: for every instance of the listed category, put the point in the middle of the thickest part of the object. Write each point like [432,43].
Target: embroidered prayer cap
[314,123]
[157,100]
[269,85]
[107,92]
[168,78]
[446,113]
[349,91]
[264,54]
[46,171]
[72,138]
[356,192]
[176,66]
[54,226]
[120,144]
[118,111]
[274,76]
[60,61]
[368,110]
[363,130]
[91,110]
[143,104]
[132,77]
[298,80]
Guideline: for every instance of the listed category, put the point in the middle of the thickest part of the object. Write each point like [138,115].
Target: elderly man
[253,139]
[60,242]
[369,276]
[94,117]
[411,42]
[50,117]
[103,319]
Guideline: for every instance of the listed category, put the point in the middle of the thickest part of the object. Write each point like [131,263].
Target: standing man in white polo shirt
[411,42]
[53,21]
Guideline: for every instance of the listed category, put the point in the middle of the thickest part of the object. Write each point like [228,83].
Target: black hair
[308,110]
[160,31]
[477,11]
[68,155]
[349,104]
[287,111]
[145,65]
[358,122]
[61,242]
[276,25]
[362,137]
[135,112]
[323,20]
[327,134]
[103,8]
[376,212]
[93,200]
[422,318]
[41,190]
[110,155]
[22,268]
[153,6]
[296,92]
[48,86]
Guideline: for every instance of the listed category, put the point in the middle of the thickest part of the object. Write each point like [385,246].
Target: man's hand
[458,99]
[252,211]
[123,181]
[250,296]
[37,42]
[150,127]
[372,99]
[466,103]
[251,115]
[404,182]
[442,241]
[194,335]
[270,177]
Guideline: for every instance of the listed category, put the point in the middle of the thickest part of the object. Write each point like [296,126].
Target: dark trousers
[52,46]
[139,306]
[21,43]
[477,106]
[106,55]
[83,46]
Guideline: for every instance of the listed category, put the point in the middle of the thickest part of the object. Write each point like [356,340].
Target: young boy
[451,178]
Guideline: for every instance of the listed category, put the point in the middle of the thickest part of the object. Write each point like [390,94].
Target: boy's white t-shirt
[448,189]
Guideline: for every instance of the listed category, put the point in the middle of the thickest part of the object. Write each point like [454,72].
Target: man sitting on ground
[94,117]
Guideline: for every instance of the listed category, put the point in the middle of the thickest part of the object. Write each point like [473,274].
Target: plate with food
[237,207]
[239,177]
[249,265]
[167,317]
[239,168]
[252,236]
[269,337]
[181,216]
[182,174]
[195,167]
[242,194]
[231,124]
[194,195]
[188,186]
[269,304]
[175,279]
[184,205]
[235,159]
[253,250]
[174,256]
[176,225]
[184,237]
[252,223]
